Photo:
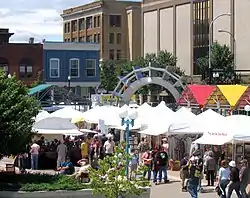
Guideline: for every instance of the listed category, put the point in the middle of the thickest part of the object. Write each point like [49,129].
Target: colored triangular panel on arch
[201,92]
[232,92]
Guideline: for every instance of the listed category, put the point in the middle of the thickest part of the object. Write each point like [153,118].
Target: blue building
[74,65]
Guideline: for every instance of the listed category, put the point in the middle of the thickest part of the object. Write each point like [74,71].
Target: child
[134,163]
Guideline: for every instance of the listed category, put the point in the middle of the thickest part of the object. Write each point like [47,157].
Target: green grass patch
[39,182]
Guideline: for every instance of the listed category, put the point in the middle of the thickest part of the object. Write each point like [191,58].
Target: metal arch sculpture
[140,77]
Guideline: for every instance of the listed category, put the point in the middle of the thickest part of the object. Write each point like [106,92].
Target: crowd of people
[215,168]
[211,164]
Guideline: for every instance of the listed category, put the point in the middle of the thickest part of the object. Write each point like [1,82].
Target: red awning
[201,92]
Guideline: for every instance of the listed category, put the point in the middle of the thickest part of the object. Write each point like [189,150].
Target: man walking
[61,153]
[162,161]
[195,170]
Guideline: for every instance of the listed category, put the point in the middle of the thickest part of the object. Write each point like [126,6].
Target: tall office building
[116,25]
[182,27]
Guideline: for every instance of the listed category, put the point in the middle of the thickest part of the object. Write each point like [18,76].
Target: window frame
[22,74]
[54,59]
[78,67]
[110,36]
[113,53]
[118,53]
[114,18]
[91,68]
[119,35]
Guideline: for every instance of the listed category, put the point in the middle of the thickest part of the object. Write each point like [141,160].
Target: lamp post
[69,79]
[247,109]
[234,40]
[128,118]
[210,43]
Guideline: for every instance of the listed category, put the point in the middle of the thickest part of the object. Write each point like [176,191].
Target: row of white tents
[216,129]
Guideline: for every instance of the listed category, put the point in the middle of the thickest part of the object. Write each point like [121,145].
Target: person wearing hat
[244,178]
[195,170]
[234,183]
[83,173]
[66,168]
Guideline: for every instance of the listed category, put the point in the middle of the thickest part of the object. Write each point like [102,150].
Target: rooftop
[92,5]
[51,45]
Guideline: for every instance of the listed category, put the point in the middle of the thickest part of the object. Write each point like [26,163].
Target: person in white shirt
[34,151]
[109,146]
[61,153]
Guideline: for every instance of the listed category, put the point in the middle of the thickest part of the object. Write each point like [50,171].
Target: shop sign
[217,134]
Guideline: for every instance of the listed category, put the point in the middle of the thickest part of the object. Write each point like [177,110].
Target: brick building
[25,60]
[116,25]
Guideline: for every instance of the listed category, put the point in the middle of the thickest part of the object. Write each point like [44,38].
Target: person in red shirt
[147,161]
[95,148]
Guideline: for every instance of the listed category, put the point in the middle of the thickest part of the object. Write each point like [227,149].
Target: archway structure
[140,77]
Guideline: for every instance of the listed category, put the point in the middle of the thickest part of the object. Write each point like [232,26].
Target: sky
[35,18]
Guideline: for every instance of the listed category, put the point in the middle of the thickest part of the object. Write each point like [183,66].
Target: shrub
[39,182]
[112,183]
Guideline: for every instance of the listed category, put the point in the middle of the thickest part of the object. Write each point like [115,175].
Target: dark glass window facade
[201,11]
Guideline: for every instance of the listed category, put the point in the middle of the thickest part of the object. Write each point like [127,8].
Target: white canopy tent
[67,112]
[55,125]
[106,113]
[41,115]
[214,138]
[234,129]
[208,121]
[162,108]
[115,121]
[181,121]
[239,126]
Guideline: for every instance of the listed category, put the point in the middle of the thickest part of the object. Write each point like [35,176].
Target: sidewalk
[175,175]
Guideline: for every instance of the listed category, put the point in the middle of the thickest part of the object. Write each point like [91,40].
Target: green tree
[112,182]
[222,61]
[108,75]
[17,110]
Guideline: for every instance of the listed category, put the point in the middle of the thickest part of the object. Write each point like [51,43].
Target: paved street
[173,190]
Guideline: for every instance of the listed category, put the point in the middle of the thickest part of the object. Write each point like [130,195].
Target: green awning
[38,88]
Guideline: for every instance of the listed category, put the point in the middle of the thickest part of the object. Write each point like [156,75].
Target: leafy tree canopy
[111,182]
[222,60]
[17,109]
[112,69]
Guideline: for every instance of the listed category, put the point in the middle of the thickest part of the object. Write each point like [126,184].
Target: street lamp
[234,40]
[210,43]
[247,109]
[128,118]
[69,79]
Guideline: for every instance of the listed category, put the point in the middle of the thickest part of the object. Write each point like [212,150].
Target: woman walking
[224,175]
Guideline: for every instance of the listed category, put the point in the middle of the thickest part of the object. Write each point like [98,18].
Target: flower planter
[86,193]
